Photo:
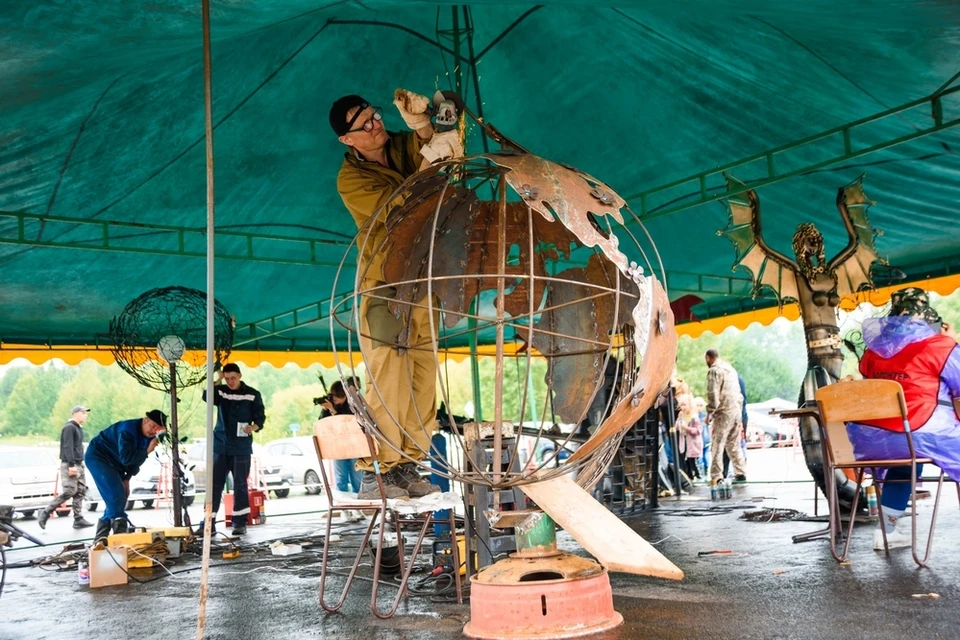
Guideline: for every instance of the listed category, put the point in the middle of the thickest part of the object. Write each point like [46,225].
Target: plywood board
[615,545]
[341,437]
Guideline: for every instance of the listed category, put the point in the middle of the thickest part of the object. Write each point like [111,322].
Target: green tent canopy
[102,159]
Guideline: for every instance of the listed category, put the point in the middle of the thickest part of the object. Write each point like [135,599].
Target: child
[692,430]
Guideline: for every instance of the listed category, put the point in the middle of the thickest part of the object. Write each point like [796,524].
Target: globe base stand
[558,596]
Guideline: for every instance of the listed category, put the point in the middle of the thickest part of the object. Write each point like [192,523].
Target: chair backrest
[341,437]
[856,401]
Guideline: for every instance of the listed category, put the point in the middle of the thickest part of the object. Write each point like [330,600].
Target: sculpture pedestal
[556,596]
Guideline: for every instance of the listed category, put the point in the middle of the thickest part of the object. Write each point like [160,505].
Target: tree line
[35,401]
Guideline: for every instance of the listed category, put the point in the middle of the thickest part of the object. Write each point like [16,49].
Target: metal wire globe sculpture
[521,254]
[166,326]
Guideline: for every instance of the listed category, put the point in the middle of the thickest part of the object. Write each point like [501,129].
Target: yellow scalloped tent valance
[877,297]
[73,355]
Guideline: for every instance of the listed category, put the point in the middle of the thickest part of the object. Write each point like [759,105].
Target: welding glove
[442,146]
[413,108]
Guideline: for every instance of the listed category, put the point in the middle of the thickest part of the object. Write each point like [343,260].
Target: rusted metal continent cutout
[574,333]
[411,227]
[656,367]
[568,196]
[465,243]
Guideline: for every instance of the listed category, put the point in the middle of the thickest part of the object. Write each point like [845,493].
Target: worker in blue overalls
[113,457]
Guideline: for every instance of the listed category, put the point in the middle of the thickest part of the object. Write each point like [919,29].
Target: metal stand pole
[175,451]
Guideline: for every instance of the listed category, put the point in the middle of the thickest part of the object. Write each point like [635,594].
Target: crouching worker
[113,457]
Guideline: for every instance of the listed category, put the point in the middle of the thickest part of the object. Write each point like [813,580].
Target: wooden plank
[615,545]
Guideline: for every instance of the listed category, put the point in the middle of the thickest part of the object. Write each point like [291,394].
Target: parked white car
[275,475]
[300,456]
[28,478]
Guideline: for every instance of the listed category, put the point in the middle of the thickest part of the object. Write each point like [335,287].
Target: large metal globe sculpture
[534,260]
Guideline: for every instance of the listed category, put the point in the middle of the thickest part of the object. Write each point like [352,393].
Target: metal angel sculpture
[816,284]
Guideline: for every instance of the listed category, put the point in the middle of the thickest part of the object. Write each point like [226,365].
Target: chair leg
[406,568]
[833,503]
[819,533]
[356,562]
[853,520]
[933,520]
[880,516]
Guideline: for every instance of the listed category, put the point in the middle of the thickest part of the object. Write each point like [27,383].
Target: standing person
[689,423]
[723,416]
[743,427]
[915,347]
[403,400]
[700,406]
[113,457]
[345,471]
[73,481]
[241,413]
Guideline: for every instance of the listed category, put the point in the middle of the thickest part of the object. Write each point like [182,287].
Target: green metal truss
[766,162]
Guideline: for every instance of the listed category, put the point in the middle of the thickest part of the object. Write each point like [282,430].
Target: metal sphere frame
[546,211]
[147,320]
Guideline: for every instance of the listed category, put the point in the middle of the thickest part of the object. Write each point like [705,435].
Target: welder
[113,457]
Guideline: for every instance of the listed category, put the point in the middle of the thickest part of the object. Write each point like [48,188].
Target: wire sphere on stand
[165,326]
[523,257]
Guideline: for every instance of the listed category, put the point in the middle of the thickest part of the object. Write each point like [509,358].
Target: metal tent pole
[208,494]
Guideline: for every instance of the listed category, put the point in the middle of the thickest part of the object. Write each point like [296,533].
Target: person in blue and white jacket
[240,414]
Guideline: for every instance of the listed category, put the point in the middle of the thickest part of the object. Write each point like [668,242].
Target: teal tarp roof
[101,119]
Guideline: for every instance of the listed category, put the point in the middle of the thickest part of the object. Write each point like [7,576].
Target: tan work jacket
[723,389]
[366,186]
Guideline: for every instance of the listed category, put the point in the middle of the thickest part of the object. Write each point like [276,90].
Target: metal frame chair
[342,437]
[856,401]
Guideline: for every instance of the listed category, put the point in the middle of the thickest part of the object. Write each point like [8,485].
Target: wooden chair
[856,401]
[339,438]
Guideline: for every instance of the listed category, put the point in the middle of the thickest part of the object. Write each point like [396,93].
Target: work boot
[198,532]
[370,491]
[80,523]
[239,530]
[739,479]
[103,530]
[119,525]
[415,485]
[42,518]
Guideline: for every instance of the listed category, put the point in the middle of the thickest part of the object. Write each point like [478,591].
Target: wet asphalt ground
[767,588]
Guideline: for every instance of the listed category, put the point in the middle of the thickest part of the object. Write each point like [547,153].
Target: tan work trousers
[401,385]
[725,435]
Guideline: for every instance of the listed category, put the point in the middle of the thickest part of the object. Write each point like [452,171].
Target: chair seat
[859,464]
[358,504]
[427,504]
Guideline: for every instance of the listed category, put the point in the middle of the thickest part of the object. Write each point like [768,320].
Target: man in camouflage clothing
[724,404]
[73,482]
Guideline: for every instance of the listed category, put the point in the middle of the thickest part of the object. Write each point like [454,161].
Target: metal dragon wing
[851,267]
[770,269]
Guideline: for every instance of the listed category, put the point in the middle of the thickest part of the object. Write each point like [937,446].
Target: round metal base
[562,596]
